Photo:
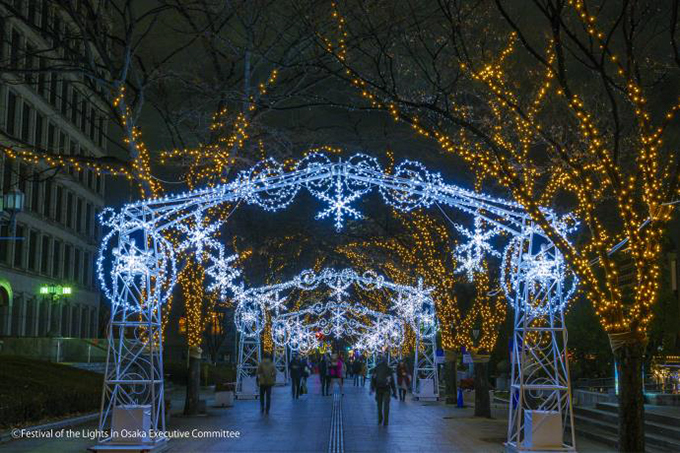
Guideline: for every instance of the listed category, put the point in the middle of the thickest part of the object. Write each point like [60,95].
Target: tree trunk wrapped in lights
[197,313]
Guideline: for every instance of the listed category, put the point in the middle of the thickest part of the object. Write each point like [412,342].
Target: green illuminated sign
[56,290]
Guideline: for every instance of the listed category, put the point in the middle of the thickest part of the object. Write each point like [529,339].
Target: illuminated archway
[145,238]
[293,328]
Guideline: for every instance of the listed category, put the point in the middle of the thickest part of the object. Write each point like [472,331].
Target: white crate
[224,399]
[542,429]
[131,424]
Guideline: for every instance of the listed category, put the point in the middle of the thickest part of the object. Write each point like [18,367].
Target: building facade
[58,226]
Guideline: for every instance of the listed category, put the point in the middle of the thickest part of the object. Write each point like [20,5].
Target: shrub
[33,390]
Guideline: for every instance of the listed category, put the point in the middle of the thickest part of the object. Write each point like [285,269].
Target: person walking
[403,380]
[324,379]
[340,364]
[364,368]
[295,375]
[356,371]
[266,378]
[306,371]
[382,383]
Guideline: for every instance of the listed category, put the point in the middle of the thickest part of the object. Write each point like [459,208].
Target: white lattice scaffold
[425,376]
[540,393]
[149,240]
[281,364]
[249,356]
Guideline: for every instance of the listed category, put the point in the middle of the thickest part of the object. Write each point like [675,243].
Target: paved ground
[304,426]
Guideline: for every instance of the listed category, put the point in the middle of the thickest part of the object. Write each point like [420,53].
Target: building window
[69,209]
[79,215]
[64,96]
[23,177]
[50,137]
[92,123]
[42,77]
[56,260]
[88,220]
[100,139]
[15,49]
[54,88]
[76,265]
[19,248]
[86,268]
[2,38]
[39,130]
[26,122]
[45,255]
[30,64]
[62,143]
[33,251]
[35,192]
[59,206]
[74,106]
[11,120]
[5,249]
[96,225]
[47,200]
[45,17]
[32,11]
[19,6]
[68,261]
[7,175]
[83,115]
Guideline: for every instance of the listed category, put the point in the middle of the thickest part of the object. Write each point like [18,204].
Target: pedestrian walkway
[308,425]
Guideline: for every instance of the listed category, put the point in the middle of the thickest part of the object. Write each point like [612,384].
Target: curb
[6,436]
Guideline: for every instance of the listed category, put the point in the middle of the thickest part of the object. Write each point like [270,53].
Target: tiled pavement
[304,426]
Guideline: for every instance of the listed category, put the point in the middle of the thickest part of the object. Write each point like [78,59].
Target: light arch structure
[139,260]
[296,328]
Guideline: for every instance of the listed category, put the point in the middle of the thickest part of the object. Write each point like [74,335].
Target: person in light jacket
[266,378]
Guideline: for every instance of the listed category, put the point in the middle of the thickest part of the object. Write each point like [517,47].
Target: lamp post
[54,293]
[12,203]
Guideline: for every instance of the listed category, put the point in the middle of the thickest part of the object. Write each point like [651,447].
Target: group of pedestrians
[332,370]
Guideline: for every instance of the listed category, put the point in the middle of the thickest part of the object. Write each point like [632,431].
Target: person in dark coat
[296,368]
[324,378]
[382,383]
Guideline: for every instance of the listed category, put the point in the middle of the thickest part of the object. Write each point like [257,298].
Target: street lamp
[12,203]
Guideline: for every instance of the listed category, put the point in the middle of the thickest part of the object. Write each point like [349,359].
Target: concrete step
[601,424]
[606,438]
[650,414]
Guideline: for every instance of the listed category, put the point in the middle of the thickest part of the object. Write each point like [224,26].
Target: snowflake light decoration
[471,254]
[339,205]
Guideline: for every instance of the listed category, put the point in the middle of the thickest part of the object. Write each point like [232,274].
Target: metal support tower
[133,380]
[281,364]
[249,356]
[540,386]
[425,376]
